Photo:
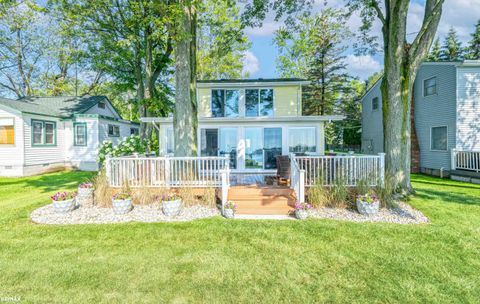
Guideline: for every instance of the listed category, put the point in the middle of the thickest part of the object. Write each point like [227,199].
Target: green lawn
[217,260]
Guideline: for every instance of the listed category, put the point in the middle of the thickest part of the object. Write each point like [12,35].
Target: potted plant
[302,210]
[171,204]
[122,203]
[229,209]
[64,201]
[368,204]
[85,194]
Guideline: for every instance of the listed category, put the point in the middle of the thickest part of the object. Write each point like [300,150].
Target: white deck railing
[347,169]
[466,160]
[167,172]
[297,179]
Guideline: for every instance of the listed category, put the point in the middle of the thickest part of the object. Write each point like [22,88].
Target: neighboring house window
[301,140]
[44,133]
[113,131]
[80,134]
[101,105]
[7,131]
[439,138]
[430,86]
[375,103]
[134,131]
[225,103]
[170,143]
[259,102]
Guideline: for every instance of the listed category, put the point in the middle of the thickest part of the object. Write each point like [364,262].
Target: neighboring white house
[252,121]
[41,134]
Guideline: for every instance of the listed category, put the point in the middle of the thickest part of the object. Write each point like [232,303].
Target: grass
[217,260]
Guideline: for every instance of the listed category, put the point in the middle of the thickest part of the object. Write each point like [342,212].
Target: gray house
[446,137]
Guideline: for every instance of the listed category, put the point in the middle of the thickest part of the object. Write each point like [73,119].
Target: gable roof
[64,107]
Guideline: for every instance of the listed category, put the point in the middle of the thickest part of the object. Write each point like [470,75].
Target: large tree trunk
[401,63]
[185,119]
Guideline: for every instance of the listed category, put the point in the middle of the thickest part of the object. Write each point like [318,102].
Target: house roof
[65,106]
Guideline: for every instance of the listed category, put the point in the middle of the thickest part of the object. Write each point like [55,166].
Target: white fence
[465,160]
[167,172]
[348,169]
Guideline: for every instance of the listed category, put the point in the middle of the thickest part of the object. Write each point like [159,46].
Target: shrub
[128,146]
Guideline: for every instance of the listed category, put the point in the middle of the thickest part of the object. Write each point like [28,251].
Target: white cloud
[251,64]
[268,28]
[362,66]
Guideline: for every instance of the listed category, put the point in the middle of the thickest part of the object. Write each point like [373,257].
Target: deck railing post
[301,186]
[453,159]
[108,172]
[167,171]
[382,169]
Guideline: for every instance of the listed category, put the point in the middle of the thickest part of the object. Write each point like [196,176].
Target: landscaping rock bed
[95,215]
[403,214]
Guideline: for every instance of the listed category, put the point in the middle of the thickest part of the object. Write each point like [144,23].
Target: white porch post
[301,186]
[108,172]
[167,171]
[382,168]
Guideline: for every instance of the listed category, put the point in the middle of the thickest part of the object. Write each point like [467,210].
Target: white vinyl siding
[11,156]
[468,108]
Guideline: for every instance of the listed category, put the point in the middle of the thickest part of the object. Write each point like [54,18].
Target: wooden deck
[262,199]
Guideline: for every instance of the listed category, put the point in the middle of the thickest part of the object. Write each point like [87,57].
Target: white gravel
[403,214]
[95,215]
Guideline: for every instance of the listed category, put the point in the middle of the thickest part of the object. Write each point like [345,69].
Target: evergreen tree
[435,52]
[473,50]
[452,47]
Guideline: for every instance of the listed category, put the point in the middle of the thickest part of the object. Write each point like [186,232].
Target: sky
[260,58]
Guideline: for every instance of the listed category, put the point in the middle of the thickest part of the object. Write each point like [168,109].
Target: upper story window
[44,133]
[113,131]
[258,102]
[80,134]
[225,103]
[439,138]
[430,86]
[7,131]
[302,140]
[101,105]
[375,103]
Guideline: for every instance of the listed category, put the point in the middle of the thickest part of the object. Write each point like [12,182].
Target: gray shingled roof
[64,107]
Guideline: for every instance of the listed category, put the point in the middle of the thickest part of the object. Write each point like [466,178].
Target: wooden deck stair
[255,199]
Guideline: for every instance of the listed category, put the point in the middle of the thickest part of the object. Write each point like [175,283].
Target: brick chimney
[414,146]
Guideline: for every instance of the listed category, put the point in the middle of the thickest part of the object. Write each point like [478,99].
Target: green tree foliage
[452,47]
[435,52]
[221,41]
[473,49]
[314,49]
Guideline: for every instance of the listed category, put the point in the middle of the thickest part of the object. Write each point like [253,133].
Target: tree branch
[378,10]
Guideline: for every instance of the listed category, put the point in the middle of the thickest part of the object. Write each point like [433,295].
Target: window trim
[224,100]
[258,101]
[44,133]
[431,133]
[436,86]
[14,133]
[75,124]
[378,103]
[113,135]
[104,105]
[136,130]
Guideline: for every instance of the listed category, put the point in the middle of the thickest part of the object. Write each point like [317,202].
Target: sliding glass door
[263,145]
[220,142]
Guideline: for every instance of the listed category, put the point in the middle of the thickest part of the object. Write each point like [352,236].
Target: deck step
[259,190]
[262,199]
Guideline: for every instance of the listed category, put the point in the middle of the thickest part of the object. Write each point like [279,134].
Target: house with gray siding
[446,115]
[42,134]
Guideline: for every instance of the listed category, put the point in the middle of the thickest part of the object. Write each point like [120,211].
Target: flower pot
[172,208]
[85,197]
[301,214]
[229,213]
[64,206]
[122,206]
[366,208]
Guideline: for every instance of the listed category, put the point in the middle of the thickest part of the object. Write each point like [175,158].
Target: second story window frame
[429,89]
[225,92]
[375,103]
[48,133]
[115,130]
